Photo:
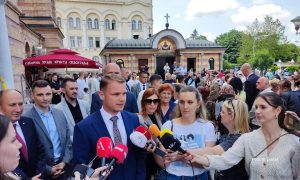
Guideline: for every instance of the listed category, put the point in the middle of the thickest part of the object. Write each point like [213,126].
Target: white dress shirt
[19,130]
[109,125]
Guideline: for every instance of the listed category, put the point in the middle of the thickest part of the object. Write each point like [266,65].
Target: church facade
[89,25]
[167,46]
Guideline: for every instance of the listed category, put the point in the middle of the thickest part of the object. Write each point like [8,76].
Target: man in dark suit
[131,103]
[141,85]
[110,121]
[32,154]
[52,129]
[250,85]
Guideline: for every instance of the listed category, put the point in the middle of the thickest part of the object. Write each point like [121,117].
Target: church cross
[167,17]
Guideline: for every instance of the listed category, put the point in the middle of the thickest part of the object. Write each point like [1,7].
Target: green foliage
[291,69]
[231,40]
[285,52]
[268,35]
[262,60]
[196,35]
[274,68]
[227,65]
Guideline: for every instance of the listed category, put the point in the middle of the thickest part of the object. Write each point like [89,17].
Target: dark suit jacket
[63,132]
[36,154]
[251,90]
[130,105]
[88,131]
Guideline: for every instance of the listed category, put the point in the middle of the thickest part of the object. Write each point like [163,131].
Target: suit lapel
[39,122]
[24,128]
[126,124]
[99,125]
[68,112]
[59,127]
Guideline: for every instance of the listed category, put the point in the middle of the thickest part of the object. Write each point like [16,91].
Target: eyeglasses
[150,101]
[230,101]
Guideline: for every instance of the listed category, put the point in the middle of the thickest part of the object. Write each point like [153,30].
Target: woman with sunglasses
[150,114]
[234,116]
[194,131]
[269,152]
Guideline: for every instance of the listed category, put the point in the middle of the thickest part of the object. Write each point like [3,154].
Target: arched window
[211,63]
[113,24]
[133,25]
[139,25]
[90,23]
[71,23]
[78,23]
[96,23]
[58,21]
[107,24]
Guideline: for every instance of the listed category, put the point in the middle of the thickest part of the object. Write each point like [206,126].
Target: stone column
[102,37]
[145,30]
[6,71]
[221,61]
[154,62]
[129,31]
[181,60]
[84,35]
[66,39]
[119,29]
[130,62]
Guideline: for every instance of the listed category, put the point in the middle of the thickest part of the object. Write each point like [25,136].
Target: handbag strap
[270,145]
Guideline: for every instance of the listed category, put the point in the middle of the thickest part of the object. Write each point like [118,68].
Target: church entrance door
[161,62]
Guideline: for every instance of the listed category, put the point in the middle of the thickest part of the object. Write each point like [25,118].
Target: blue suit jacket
[88,131]
[36,154]
[130,105]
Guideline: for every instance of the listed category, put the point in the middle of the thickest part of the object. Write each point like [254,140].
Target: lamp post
[296,22]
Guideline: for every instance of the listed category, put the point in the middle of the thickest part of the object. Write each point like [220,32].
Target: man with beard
[74,109]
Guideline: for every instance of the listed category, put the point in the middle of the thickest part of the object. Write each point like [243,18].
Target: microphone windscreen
[170,142]
[119,152]
[138,139]
[154,130]
[144,131]
[104,147]
[164,131]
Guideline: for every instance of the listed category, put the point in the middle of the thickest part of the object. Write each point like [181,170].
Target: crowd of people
[230,122]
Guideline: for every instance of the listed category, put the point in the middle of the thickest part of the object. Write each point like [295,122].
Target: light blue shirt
[50,125]
[141,85]
[109,125]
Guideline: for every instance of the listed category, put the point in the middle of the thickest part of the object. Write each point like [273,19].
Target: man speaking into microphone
[110,121]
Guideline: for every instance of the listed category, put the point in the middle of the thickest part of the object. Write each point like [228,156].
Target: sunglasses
[150,101]
[230,101]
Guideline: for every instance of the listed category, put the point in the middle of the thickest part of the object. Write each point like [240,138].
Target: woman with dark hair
[189,121]
[9,150]
[238,88]
[270,152]
[150,114]
[166,92]
[292,101]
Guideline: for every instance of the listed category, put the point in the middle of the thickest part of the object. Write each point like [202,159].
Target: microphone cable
[192,167]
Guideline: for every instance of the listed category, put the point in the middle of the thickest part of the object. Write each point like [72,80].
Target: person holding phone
[292,122]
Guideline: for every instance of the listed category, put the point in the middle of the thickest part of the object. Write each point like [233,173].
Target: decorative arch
[108,13]
[92,13]
[172,34]
[137,13]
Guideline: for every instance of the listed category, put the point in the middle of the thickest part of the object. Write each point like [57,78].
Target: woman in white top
[270,152]
[192,129]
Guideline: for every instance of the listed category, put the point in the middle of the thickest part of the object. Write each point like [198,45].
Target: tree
[231,40]
[292,69]
[285,52]
[196,35]
[263,35]
[263,60]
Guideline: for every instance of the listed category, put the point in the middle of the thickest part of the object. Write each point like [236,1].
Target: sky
[214,17]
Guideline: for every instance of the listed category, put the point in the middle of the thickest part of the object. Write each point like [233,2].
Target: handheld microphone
[164,131]
[140,140]
[170,142]
[144,131]
[104,147]
[154,130]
